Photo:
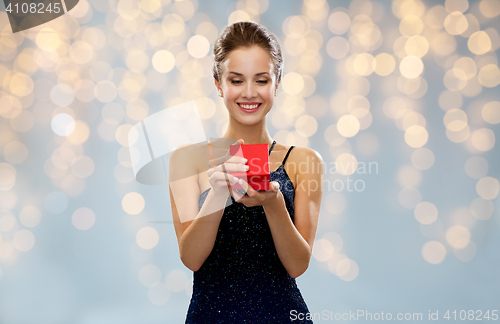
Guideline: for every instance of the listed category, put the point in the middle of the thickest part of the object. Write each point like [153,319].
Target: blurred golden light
[23,240]
[491,112]
[408,176]
[455,120]
[346,164]
[489,8]
[198,46]
[82,166]
[348,125]
[339,22]
[81,133]
[489,76]
[487,188]
[293,83]
[83,218]
[456,5]
[295,26]
[128,9]
[460,136]
[322,250]
[364,64]
[137,109]
[473,25]
[483,139]
[411,67]
[452,82]
[15,152]
[456,23]
[310,62]
[25,61]
[10,106]
[94,37]
[384,64]
[435,17]
[173,25]
[444,44]
[21,84]
[458,236]
[81,52]
[137,61]
[84,90]
[337,47]
[30,216]
[481,208]
[412,118]
[133,203]
[347,269]
[426,213]
[147,238]
[411,25]
[163,61]
[7,176]
[333,137]
[422,158]
[48,39]
[105,91]
[416,136]
[306,125]
[465,68]
[479,43]
[416,46]
[121,134]
[433,252]
[476,167]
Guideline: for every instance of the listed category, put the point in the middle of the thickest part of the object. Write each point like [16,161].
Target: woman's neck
[251,134]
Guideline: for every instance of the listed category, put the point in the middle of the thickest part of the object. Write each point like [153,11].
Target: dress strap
[287,153]
[272,146]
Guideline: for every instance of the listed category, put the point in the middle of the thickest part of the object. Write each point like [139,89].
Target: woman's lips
[249,111]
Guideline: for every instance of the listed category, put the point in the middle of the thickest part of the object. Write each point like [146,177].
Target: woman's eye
[262,81]
[235,82]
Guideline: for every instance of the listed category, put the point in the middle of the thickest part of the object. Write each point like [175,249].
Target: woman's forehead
[248,61]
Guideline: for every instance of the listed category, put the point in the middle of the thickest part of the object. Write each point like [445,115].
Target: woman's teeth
[249,106]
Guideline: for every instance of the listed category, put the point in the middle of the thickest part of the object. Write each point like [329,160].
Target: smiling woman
[246,255]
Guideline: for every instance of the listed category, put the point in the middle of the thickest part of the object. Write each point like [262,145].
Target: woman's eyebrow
[255,73]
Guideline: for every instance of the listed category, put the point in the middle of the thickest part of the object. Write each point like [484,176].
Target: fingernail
[240,181]
[245,160]
[235,179]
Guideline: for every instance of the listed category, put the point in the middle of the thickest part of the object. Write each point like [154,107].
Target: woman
[247,251]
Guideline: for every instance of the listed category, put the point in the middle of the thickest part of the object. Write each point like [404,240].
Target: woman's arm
[196,230]
[294,240]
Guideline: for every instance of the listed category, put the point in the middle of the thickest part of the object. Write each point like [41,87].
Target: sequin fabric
[243,279]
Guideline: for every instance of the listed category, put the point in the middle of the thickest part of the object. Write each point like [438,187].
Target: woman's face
[248,84]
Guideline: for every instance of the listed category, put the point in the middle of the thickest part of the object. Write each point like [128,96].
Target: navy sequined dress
[243,279]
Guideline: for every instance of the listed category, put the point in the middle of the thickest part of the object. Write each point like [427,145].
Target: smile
[249,108]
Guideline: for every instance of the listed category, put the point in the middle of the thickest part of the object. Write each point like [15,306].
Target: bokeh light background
[403,95]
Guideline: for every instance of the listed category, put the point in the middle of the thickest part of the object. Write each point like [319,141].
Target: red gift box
[257,155]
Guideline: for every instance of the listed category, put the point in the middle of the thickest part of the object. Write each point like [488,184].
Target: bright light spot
[487,188]
[433,252]
[476,167]
[491,112]
[346,164]
[30,216]
[348,125]
[422,158]
[83,218]
[479,43]
[198,46]
[411,67]
[322,250]
[458,236]
[133,203]
[489,76]
[147,238]
[339,22]
[416,136]
[384,64]
[483,139]
[293,83]
[23,240]
[63,124]
[426,213]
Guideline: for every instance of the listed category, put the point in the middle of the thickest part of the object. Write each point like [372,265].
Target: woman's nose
[249,91]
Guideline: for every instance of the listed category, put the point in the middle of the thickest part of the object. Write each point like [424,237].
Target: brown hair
[246,34]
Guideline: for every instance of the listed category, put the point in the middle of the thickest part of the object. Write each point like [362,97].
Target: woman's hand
[220,178]
[257,198]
